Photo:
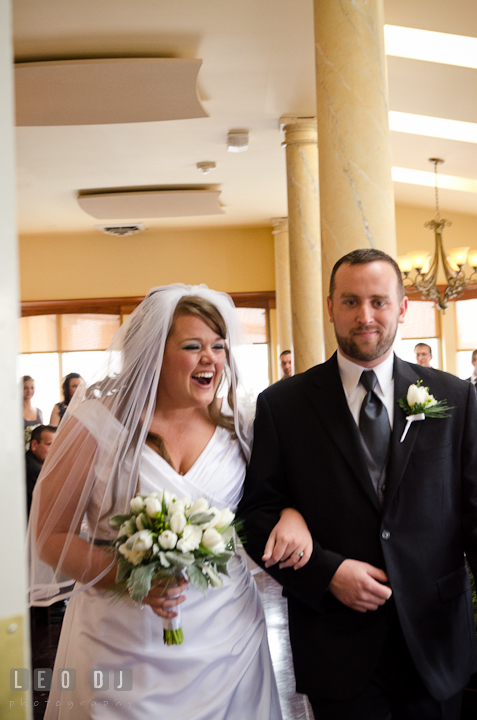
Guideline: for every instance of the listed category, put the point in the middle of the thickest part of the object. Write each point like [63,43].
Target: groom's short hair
[363,257]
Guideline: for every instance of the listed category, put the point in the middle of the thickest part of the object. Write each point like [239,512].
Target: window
[253,356]
[420,325]
[466,321]
[53,346]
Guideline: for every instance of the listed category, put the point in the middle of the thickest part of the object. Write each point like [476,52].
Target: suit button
[385,534]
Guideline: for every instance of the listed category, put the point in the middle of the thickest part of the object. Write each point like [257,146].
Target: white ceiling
[258,64]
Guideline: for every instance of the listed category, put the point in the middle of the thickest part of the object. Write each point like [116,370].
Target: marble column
[356,192]
[282,284]
[304,238]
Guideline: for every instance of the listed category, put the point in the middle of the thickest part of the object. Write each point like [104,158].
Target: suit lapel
[404,375]
[331,406]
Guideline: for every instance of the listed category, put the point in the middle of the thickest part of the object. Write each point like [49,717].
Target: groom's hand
[360,586]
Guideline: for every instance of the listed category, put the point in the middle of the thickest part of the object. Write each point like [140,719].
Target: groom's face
[365,310]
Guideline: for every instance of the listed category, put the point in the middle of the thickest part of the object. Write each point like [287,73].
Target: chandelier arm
[426,284]
[456,281]
[452,276]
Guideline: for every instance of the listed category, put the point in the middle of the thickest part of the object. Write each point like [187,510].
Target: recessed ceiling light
[421,177]
[433,127]
[431,46]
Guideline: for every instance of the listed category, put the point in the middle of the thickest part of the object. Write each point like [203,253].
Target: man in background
[473,377]
[423,354]
[286,364]
[41,439]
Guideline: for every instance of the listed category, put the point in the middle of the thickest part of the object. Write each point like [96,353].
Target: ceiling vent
[121,230]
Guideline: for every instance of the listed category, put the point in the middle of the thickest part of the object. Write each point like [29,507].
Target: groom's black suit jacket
[307,454]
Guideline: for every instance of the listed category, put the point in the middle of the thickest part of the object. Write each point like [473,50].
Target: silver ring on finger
[300,554]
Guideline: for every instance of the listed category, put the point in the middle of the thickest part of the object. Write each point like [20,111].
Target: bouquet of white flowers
[164,538]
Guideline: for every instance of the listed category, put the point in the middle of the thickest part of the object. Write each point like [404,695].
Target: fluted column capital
[279,224]
[299,130]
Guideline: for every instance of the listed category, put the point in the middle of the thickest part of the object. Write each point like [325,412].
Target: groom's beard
[357,348]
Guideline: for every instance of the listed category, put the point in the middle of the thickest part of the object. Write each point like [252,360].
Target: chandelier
[419,270]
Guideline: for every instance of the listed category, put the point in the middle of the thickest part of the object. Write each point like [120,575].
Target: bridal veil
[106,467]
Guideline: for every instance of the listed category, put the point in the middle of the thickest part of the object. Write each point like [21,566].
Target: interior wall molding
[125,305]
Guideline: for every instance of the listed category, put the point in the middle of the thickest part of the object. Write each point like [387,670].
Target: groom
[381,620]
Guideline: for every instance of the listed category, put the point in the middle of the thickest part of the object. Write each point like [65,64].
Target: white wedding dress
[222,671]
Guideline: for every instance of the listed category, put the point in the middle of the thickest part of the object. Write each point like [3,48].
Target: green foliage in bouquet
[164,539]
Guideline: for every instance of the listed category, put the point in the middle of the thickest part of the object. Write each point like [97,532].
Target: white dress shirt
[350,373]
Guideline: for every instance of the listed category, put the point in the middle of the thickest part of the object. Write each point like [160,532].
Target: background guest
[286,363]
[423,354]
[41,439]
[473,377]
[31,415]
[70,383]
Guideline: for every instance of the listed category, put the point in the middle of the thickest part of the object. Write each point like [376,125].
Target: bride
[154,422]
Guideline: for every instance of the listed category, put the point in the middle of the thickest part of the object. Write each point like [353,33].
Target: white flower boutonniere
[419,404]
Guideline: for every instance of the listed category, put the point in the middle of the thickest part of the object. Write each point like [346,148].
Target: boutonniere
[418,404]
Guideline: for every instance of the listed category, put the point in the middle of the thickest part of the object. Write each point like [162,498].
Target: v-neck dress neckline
[197,460]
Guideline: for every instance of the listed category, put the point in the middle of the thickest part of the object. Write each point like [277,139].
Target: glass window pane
[38,334]
[44,369]
[254,324]
[420,321]
[253,363]
[466,317]
[87,332]
[464,364]
[87,364]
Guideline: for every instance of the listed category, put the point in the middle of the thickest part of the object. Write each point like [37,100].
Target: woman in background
[32,416]
[70,383]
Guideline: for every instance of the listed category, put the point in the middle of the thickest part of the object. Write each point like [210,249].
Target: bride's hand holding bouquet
[163,541]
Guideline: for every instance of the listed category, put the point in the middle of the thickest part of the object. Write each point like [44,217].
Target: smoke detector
[206,166]
[237,141]
[121,230]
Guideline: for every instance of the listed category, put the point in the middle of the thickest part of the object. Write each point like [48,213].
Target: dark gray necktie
[374,421]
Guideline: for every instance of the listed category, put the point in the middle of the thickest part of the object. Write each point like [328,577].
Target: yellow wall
[85,265]
[94,265]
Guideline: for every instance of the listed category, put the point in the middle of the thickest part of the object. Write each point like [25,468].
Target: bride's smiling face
[194,358]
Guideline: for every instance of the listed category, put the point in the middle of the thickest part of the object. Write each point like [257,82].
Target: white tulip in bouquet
[165,538]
